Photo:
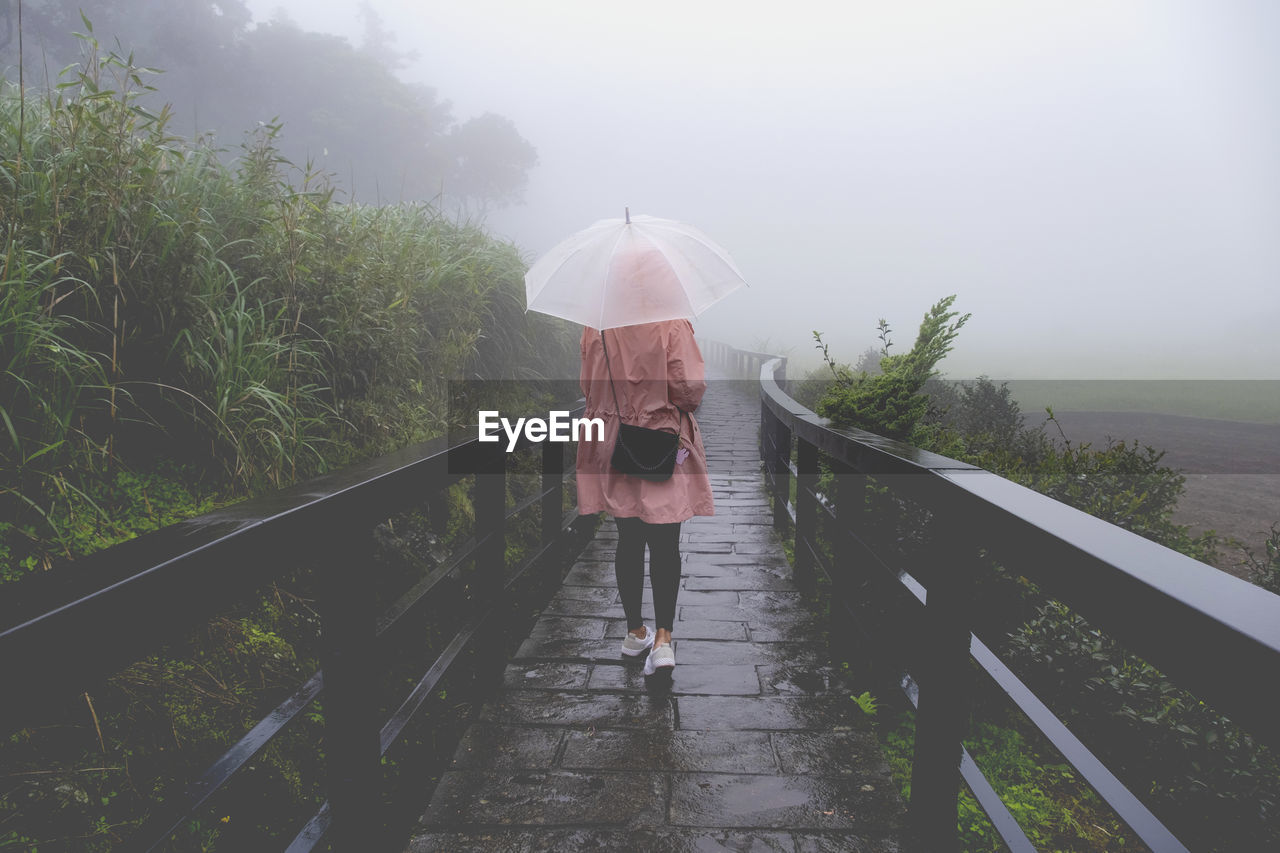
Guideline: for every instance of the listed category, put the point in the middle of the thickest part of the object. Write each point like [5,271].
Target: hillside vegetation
[170,324]
[1208,779]
[179,329]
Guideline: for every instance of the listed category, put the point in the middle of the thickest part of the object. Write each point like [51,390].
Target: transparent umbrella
[641,269]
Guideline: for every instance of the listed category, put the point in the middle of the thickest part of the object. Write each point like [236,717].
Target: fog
[1098,182]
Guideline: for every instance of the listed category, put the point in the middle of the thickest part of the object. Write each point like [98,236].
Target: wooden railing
[156,588]
[910,610]
[736,363]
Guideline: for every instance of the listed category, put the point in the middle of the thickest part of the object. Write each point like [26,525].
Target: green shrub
[1203,775]
[1265,570]
[1052,806]
[889,403]
[1216,786]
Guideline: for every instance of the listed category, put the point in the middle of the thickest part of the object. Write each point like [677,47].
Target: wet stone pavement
[752,745]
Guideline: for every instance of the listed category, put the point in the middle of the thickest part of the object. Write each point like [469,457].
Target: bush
[1054,809]
[889,403]
[1265,570]
[1206,778]
[1209,780]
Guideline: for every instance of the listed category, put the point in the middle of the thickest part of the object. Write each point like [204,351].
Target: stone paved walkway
[750,746]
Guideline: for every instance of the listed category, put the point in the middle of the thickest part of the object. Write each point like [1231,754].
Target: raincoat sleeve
[686,371]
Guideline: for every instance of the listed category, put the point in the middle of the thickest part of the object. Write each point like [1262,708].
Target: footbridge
[479,702]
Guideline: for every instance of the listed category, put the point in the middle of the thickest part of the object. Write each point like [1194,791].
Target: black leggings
[664,569]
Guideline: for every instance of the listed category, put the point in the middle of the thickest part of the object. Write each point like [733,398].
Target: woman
[659,378]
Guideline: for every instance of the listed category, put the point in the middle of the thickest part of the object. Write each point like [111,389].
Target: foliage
[344,106]
[177,333]
[1054,809]
[889,403]
[1202,774]
[158,304]
[866,703]
[96,767]
[986,416]
[807,390]
[1265,570]
[1209,779]
[869,360]
[490,160]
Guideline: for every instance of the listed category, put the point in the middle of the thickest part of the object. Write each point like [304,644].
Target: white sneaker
[633,645]
[663,657]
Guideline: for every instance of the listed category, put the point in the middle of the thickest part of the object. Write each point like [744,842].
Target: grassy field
[1253,400]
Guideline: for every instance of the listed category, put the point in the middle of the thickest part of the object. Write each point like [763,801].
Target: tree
[869,361]
[343,109]
[984,414]
[379,41]
[490,161]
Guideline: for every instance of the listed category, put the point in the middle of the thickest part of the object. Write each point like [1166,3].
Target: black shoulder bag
[649,454]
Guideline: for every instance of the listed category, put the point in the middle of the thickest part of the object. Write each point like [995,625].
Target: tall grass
[47,382]
[163,300]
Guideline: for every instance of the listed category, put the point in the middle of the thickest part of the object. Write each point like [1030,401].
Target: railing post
[553,490]
[849,497]
[490,504]
[806,514]
[347,634]
[781,474]
[944,677]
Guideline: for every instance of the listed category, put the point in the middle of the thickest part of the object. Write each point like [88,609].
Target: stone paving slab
[581,709]
[710,651]
[720,752]
[695,679]
[772,801]
[752,743]
[549,798]
[580,607]
[774,713]
[500,747]
[633,841]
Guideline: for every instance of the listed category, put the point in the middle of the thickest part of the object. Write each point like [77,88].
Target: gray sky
[1099,182]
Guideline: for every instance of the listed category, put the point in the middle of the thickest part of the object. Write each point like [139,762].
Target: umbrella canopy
[638,270]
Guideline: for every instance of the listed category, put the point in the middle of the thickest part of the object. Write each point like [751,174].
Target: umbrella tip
[628,211]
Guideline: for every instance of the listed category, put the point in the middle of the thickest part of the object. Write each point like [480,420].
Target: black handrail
[1200,626]
[161,584]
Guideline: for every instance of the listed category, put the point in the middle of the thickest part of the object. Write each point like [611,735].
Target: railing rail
[1214,634]
[159,585]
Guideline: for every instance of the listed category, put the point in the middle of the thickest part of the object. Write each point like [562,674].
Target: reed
[165,301]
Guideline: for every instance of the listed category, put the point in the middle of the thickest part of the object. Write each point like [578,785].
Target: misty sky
[1099,182]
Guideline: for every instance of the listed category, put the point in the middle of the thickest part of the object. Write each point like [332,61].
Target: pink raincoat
[656,368]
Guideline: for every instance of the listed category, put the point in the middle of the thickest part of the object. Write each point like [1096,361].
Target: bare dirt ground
[1232,469]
